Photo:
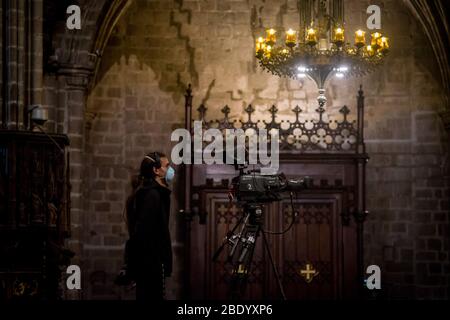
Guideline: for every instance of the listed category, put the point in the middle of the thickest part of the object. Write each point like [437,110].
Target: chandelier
[320,47]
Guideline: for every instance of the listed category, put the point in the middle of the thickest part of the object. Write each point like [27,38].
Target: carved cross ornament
[308,273]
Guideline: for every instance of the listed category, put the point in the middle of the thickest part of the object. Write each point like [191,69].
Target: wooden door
[310,251]
[314,245]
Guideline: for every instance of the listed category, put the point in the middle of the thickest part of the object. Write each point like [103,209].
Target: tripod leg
[242,263]
[274,268]
[238,239]
[227,238]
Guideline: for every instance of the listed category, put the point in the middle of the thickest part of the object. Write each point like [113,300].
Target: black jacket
[150,236]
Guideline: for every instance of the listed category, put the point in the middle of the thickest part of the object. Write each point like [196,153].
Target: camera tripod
[243,247]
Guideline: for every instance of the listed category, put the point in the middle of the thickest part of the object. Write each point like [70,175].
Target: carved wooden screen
[34,214]
[320,257]
[322,236]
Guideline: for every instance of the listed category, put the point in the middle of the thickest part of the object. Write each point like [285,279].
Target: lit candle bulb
[267,51]
[384,44]
[374,41]
[338,36]
[360,38]
[311,37]
[370,51]
[271,38]
[291,38]
[260,45]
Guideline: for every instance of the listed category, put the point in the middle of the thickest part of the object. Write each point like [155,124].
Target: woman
[149,249]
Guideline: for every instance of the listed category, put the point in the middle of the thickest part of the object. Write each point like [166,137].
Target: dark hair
[150,161]
[146,173]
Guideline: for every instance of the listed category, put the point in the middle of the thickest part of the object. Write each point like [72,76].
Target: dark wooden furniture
[327,236]
[34,214]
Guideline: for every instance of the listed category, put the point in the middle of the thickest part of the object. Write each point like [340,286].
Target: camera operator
[149,249]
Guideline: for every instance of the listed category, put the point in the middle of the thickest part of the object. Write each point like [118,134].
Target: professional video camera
[252,190]
[253,187]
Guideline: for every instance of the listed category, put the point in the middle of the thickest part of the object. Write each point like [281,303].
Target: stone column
[446,120]
[73,84]
[14,13]
[445,206]
[35,67]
